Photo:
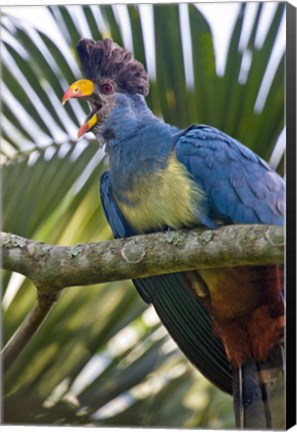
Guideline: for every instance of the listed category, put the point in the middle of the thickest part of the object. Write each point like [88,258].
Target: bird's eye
[106,88]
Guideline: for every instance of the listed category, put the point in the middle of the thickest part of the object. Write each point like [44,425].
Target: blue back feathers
[240,186]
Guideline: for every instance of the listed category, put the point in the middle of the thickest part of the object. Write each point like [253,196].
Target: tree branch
[52,268]
[26,331]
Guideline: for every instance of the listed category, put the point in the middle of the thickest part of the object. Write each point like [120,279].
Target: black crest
[106,59]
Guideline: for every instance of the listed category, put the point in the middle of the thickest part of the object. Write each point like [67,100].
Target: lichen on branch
[52,268]
[56,267]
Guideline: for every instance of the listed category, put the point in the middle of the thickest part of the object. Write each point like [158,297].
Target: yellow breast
[165,198]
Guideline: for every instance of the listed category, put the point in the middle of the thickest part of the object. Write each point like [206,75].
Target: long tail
[259,393]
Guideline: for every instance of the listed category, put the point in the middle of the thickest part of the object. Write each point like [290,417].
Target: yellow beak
[87,126]
[79,89]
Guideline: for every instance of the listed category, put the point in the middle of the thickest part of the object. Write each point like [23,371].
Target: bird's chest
[164,198]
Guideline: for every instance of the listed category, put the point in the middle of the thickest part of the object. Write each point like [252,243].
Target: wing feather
[239,185]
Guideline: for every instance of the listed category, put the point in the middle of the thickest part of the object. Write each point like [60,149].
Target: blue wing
[240,188]
[239,185]
[179,310]
[120,228]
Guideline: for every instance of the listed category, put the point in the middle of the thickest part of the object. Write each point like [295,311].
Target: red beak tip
[67,95]
[65,98]
[82,130]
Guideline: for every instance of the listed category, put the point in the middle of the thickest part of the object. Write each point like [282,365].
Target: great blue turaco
[229,322]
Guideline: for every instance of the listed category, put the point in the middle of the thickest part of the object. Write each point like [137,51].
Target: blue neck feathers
[137,142]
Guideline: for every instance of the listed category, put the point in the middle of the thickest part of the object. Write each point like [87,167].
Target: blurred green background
[102,357]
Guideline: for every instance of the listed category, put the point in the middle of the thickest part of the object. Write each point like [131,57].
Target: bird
[229,322]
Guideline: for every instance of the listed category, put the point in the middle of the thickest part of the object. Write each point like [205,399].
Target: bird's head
[113,80]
